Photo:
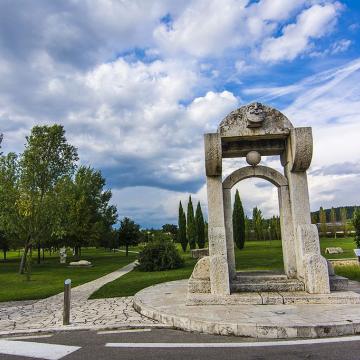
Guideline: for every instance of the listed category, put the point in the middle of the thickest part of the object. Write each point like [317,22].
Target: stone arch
[287,234]
[259,171]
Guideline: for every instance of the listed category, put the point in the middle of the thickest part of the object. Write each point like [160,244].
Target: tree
[333,221]
[12,225]
[274,223]
[190,222]
[343,219]
[322,220]
[238,219]
[4,243]
[258,224]
[356,223]
[182,228]
[171,229]
[200,227]
[314,218]
[46,159]
[84,211]
[129,233]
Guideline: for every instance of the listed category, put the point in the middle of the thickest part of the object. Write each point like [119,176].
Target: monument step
[260,285]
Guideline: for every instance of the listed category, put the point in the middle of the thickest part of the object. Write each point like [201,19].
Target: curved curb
[166,315]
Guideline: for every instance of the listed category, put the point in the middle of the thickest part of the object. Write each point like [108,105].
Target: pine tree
[200,227]
[238,222]
[190,222]
[182,228]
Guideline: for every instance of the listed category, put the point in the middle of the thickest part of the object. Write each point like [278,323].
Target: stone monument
[62,254]
[254,131]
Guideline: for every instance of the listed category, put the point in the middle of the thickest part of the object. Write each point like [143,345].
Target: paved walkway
[47,313]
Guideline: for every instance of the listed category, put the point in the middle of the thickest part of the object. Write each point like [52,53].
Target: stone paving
[47,313]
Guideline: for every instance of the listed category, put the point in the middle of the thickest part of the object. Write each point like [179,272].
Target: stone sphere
[253,158]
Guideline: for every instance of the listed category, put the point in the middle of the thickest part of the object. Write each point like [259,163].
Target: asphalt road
[151,345]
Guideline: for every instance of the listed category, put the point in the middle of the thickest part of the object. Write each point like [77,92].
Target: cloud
[329,103]
[137,83]
[295,39]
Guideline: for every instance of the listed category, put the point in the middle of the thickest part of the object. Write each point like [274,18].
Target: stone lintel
[240,148]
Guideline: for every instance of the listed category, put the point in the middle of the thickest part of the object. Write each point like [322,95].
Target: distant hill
[349,212]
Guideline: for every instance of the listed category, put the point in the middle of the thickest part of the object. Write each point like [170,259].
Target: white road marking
[235,345]
[104,332]
[24,337]
[36,350]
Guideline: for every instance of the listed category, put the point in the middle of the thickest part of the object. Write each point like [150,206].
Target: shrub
[158,255]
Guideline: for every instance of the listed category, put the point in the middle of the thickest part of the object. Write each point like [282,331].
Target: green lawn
[257,255]
[48,278]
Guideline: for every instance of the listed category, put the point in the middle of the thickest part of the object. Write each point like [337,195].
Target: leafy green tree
[274,223]
[129,233]
[238,219]
[314,218]
[200,227]
[356,223]
[84,211]
[171,229]
[12,216]
[4,244]
[333,221]
[46,159]
[182,238]
[322,220]
[191,227]
[343,219]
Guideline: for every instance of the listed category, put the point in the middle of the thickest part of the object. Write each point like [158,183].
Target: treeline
[335,221]
[339,212]
[256,228]
[48,201]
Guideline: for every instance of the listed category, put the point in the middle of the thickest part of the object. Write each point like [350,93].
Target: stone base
[272,298]
[323,316]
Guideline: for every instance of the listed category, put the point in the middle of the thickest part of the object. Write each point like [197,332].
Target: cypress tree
[182,228]
[200,227]
[190,222]
[238,222]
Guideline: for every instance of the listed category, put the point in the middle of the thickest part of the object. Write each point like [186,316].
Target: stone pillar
[219,270]
[229,232]
[311,266]
[287,232]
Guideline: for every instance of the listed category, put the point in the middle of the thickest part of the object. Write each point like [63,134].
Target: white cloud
[312,23]
[329,103]
[136,93]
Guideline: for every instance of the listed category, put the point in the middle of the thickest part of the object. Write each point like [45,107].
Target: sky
[136,84]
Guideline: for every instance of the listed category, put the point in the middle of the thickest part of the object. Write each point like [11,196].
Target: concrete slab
[167,303]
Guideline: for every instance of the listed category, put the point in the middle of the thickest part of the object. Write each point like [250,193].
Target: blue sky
[136,84]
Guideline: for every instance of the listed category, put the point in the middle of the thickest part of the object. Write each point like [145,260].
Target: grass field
[264,255]
[48,278]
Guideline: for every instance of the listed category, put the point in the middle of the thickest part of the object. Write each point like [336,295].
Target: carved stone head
[255,115]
